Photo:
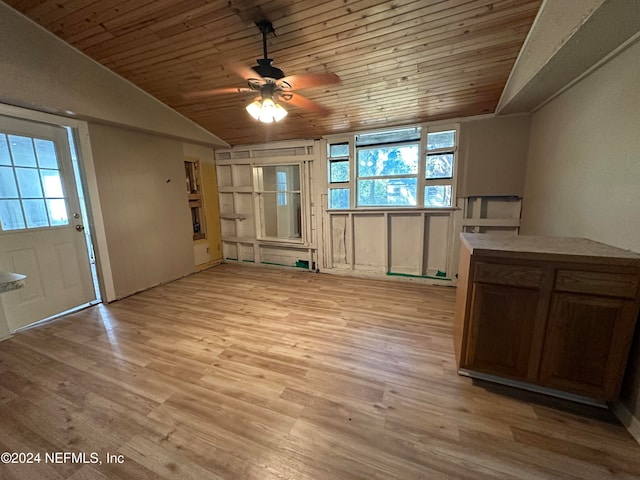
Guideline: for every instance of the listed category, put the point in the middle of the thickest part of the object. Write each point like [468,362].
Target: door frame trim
[92,196]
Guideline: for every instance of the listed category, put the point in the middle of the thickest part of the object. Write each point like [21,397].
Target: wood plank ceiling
[400,61]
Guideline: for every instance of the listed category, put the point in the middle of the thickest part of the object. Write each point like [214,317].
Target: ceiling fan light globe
[279,113]
[255,109]
[266,110]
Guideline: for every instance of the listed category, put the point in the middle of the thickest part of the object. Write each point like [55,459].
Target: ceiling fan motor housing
[266,70]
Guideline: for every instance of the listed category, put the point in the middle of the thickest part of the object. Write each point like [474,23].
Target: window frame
[421,183]
[453,180]
[360,178]
[340,185]
[39,170]
[259,191]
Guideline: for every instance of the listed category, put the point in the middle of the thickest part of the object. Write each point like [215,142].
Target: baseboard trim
[532,388]
[631,423]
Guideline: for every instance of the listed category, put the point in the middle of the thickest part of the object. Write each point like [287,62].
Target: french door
[41,230]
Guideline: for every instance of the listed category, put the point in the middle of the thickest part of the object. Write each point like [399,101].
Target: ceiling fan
[273,86]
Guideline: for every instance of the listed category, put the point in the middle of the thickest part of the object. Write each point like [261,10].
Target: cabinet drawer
[597,283]
[513,275]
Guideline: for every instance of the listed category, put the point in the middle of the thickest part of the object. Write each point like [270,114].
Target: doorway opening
[77,174]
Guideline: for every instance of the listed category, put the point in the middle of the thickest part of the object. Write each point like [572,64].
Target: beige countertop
[541,248]
[11,281]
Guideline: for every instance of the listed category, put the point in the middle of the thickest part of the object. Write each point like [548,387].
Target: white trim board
[631,423]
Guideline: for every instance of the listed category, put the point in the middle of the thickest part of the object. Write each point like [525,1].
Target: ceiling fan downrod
[265,68]
[266,27]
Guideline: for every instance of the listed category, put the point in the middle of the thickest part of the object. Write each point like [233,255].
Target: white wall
[583,176]
[144,206]
[493,156]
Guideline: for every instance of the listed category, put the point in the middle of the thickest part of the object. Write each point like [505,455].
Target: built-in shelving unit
[242,238]
[192,176]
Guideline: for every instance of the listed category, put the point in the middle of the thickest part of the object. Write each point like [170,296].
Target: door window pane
[437,196]
[52,183]
[11,215]
[439,166]
[46,151]
[387,192]
[29,183]
[57,211]
[8,187]
[22,151]
[31,195]
[5,158]
[36,213]
[339,198]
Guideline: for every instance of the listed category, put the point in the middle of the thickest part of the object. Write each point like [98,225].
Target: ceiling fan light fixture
[266,110]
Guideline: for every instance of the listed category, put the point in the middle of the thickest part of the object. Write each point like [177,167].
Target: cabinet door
[586,344]
[501,327]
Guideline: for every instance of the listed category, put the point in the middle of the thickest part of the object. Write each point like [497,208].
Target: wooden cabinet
[501,327]
[552,312]
[586,343]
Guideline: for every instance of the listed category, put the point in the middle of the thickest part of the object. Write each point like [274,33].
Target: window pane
[280,221]
[339,198]
[51,183]
[29,183]
[339,171]
[8,187]
[339,150]
[437,196]
[5,159]
[36,213]
[389,136]
[383,192]
[22,151]
[439,166]
[276,177]
[11,215]
[281,186]
[46,151]
[396,160]
[441,139]
[57,211]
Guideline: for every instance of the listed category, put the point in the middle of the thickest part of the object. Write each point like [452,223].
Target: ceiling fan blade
[308,80]
[217,91]
[303,102]
[244,72]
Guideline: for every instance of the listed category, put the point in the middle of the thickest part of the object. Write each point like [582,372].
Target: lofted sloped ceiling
[400,61]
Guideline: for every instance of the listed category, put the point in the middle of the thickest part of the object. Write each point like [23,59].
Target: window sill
[392,209]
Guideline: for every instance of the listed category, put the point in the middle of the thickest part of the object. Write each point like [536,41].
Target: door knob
[79,228]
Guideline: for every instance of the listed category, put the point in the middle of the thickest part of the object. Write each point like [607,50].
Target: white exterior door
[41,231]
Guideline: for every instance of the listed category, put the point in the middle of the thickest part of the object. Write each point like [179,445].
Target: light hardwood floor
[261,373]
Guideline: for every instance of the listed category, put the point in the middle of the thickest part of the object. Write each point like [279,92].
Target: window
[387,175]
[278,197]
[281,185]
[339,175]
[440,154]
[31,192]
[387,171]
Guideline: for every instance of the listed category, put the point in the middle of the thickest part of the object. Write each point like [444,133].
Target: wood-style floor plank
[262,373]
